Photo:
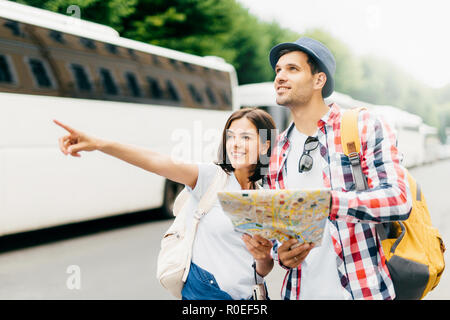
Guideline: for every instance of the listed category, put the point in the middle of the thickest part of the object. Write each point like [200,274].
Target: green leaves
[225,28]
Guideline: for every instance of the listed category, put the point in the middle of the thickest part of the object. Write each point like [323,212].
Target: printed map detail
[278,214]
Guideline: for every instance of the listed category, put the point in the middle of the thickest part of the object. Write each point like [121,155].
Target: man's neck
[308,115]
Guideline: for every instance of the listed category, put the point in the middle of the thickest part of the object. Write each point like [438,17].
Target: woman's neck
[242,176]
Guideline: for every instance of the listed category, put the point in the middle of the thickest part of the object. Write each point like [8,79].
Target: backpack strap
[351,145]
[207,199]
[210,196]
[205,204]
[180,201]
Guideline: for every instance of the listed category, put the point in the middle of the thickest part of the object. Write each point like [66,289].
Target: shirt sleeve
[274,254]
[388,197]
[206,174]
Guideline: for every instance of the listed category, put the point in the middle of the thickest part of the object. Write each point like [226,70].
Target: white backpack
[174,258]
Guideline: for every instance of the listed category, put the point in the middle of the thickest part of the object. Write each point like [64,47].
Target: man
[349,263]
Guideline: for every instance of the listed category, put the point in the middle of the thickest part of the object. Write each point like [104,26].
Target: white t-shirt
[319,276]
[218,248]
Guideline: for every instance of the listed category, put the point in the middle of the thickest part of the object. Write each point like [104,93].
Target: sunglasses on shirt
[306,161]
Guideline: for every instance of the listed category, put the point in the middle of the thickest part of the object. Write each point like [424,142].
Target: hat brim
[328,89]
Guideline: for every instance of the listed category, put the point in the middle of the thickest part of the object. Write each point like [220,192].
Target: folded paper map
[278,214]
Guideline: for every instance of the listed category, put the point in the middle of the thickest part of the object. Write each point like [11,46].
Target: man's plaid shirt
[360,259]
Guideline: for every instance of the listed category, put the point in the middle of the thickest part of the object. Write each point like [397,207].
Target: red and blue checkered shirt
[360,260]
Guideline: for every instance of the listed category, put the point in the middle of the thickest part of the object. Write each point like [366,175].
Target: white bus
[417,142]
[409,135]
[262,95]
[57,67]
[432,144]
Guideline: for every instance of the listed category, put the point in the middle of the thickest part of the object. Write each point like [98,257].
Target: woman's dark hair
[264,124]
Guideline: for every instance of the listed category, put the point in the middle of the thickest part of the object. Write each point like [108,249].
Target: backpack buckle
[354,158]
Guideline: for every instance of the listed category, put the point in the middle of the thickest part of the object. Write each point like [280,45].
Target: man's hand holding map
[279,214]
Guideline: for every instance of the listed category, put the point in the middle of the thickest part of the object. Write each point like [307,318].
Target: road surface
[120,263]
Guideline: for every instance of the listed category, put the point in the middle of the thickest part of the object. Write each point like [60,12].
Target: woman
[222,258]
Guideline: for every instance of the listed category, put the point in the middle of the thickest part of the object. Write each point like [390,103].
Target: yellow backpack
[413,248]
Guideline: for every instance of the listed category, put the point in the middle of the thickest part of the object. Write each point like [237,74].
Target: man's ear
[321,79]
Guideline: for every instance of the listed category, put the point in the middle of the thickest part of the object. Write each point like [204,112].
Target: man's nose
[280,77]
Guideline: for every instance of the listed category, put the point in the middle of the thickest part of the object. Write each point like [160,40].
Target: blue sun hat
[317,51]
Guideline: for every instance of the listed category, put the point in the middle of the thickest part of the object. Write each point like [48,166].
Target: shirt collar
[331,116]
[328,119]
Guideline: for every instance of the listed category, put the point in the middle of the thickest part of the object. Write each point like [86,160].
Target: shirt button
[211,281]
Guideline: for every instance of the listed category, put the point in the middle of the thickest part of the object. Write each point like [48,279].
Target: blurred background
[166,74]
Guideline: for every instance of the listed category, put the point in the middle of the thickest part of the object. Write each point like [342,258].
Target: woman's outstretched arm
[160,164]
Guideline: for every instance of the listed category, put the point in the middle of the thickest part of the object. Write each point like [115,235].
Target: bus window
[108,82]
[111,48]
[174,63]
[88,43]
[81,78]
[195,94]
[132,53]
[219,74]
[40,73]
[173,94]
[189,66]
[56,36]
[210,95]
[5,71]
[226,98]
[155,89]
[14,27]
[155,60]
[133,84]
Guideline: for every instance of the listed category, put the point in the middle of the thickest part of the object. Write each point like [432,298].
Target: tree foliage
[225,28]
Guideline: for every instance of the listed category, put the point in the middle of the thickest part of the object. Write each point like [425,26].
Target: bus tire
[171,191]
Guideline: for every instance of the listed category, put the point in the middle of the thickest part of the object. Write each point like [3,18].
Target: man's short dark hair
[312,64]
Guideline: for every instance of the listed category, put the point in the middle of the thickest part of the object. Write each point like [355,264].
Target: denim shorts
[201,285]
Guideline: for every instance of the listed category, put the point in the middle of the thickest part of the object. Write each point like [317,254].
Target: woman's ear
[265,148]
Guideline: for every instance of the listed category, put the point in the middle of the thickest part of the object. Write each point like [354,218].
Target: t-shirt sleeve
[206,173]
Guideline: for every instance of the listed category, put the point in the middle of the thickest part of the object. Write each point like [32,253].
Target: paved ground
[120,263]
